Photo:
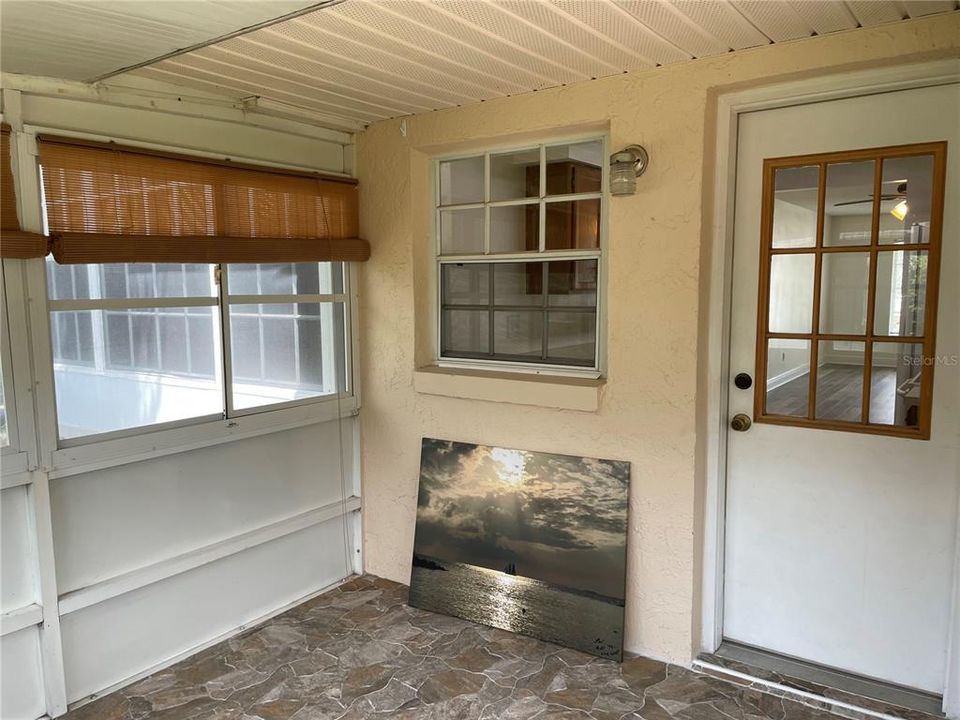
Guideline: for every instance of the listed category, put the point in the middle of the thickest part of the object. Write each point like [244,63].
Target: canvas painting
[530,542]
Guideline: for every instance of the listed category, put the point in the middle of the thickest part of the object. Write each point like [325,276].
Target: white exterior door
[840,545]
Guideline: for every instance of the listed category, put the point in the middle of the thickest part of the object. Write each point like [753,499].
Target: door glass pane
[573,283]
[514,228]
[901,292]
[848,207]
[843,293]
[840,380]
[908,193]
[518,333]
[895,384]
[461,181]
[461,231]
[573,225]
[466,332]
[157,367]
[518,284]
[515,175]
[576,168]
[788,377]
[285,352]
[571,337]
[791,293]
[795,207]
[466,283]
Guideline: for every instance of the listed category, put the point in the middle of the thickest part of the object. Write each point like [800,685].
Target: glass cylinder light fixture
[625,167]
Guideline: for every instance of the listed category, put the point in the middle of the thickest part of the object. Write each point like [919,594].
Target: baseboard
[785,377]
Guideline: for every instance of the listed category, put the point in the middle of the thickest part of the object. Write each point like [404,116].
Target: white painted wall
[21,679]
[156,556]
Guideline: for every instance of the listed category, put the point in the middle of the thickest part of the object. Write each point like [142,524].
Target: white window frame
[59,458]
[19,458]
[542,255]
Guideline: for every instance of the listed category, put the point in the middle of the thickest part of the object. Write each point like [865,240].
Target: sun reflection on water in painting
[519,604]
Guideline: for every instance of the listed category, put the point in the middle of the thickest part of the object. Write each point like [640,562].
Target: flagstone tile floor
[360,652]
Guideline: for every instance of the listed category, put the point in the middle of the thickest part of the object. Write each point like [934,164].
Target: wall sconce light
[625,167]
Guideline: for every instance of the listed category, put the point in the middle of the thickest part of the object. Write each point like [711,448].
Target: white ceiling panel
[875,12]
[919,8]
[353,62]
[774,18]
[447,36]
[84,39]
[665,19]
[722,21]
[825,16]
[612,21]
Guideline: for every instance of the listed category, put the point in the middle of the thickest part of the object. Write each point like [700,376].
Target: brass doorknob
[741,422]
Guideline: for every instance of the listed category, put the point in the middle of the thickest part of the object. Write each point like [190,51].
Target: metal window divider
[226,357]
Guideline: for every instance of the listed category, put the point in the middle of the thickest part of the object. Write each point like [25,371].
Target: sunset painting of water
[530,542]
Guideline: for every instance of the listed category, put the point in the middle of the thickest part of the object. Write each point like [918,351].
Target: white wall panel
[21,681]
[108,643]
[119,519]
[17,586]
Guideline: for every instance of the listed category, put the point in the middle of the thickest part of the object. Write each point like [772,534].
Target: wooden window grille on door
[849,270]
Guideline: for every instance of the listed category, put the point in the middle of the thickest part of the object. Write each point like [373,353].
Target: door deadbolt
[743,381]
[741,422]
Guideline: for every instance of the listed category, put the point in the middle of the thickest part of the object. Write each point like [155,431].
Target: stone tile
[450,684]
[360,653]
[363,680]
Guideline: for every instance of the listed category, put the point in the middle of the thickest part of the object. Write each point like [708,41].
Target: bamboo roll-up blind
[14,242]
[109,203]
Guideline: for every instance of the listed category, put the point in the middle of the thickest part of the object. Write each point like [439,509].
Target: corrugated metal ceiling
[360,61]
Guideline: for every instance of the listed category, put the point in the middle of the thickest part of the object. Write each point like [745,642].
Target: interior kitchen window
[519,255]
[137,345]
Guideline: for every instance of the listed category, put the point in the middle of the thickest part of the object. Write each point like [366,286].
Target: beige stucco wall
[649,411]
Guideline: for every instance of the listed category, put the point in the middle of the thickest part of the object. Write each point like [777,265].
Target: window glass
[848,205]
[511,209]
[795,207]
[515,175]
[153,354]
[461,181]
[462,231]
[4,434]
[286,279]
[123,369]
[521,312]
[278,353]
[575,168]
[849,337]
[129,280]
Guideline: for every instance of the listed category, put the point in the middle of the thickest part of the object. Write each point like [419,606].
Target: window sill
[80,459]
[550,391]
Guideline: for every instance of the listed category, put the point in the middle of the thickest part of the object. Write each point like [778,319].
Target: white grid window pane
[145,376]
[544,202]
[283,353]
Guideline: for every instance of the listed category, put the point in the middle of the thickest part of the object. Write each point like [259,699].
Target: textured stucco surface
[649,410]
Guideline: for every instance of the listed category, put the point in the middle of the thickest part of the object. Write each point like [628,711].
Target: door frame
[717,328]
